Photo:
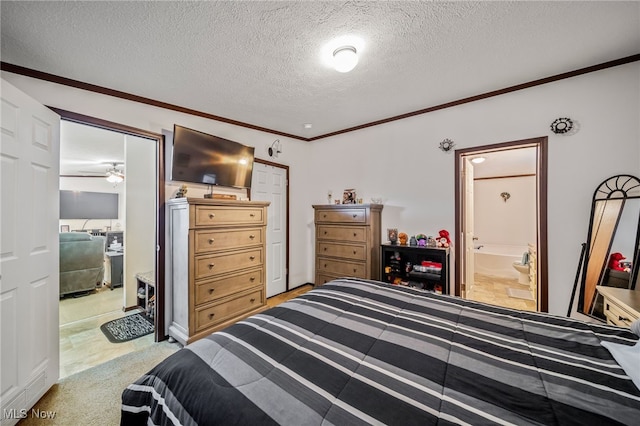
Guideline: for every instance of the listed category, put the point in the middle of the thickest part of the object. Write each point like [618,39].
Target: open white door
[29,262]
[468,232]
[269,183]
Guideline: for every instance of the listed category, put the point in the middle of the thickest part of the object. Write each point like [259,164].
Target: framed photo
[349,196]
[64,228]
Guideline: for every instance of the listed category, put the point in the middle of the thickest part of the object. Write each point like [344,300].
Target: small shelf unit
[399,264]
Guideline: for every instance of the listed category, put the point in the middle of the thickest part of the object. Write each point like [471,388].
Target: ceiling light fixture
[345,58]
[478,160]
[114,175]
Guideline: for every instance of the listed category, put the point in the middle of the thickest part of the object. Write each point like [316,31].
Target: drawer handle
[252,215]
[324,215]
[354,270]
[623,319]
[354,252]
[211,265]
[211,316]
[355,235]
[252,236]
[211,240]
[325,249]
[252,300]
[211,290]
[212,215]
[325,265]
[252,279]
[252,257]
[325,232]
[355,215]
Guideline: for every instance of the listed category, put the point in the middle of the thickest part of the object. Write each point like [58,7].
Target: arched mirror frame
[608,205]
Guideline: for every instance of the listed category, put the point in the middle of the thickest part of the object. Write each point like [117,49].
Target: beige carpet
[92,397]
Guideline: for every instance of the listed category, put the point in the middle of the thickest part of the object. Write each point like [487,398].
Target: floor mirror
[612,251]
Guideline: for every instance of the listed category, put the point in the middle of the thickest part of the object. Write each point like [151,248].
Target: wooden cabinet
[215,268]
[621,305]
[425,268]
[347,241]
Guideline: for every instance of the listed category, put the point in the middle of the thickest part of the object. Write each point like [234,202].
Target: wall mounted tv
[202,158]
[88,205]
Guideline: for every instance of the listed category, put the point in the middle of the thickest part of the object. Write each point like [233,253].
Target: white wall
[512,222]
[401,162]
[93,184]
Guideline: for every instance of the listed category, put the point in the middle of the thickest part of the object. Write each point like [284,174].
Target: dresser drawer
[208,241]
[354,215]
[617,315]
[210,265]
[343,233]
[219,215]
[345,251]
[322,279]
[341,268]
[207,316]
[210,290]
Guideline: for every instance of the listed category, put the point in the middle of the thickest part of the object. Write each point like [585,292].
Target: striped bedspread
[362,352]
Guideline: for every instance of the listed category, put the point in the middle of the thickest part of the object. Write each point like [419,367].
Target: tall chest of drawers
[215,267]
[347,241]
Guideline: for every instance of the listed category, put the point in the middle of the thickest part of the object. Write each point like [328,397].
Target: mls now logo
[14,413]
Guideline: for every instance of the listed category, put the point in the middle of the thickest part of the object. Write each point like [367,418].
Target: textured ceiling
[261,62]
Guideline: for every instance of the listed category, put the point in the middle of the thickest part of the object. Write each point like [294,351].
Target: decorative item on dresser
[215,264]
[347,241]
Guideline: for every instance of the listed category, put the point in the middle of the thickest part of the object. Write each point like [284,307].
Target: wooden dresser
[215,266]
[621,305]
[347,241]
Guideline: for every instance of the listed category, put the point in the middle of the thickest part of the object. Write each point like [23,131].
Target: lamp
[114,175]
[478,160]
[275,148]
[345,58]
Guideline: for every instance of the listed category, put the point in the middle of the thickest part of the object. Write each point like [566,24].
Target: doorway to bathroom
[501,224]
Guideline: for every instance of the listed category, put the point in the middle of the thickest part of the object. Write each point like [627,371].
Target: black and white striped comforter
[360,352]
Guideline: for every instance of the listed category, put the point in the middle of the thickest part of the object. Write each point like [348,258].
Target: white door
[269,183]
[468,232]
[29,262]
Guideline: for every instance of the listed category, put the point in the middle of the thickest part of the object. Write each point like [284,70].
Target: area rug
[127,328]
[519,294]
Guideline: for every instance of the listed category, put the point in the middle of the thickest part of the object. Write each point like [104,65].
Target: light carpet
[92,397]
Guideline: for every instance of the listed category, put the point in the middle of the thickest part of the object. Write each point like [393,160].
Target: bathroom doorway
[501,224]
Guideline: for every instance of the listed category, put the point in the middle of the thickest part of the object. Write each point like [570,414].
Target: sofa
[81,262]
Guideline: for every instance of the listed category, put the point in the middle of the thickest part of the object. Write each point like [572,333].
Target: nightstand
[621,306]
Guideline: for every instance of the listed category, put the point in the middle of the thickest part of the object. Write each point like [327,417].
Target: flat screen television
[88,205]
[202,158]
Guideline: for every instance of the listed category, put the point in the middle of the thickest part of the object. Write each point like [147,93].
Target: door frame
[541,143]
[286,169]
[160,195]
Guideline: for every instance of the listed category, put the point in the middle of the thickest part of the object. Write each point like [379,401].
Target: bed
[362,352]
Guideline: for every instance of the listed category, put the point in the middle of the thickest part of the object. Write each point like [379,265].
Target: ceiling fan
[114,175]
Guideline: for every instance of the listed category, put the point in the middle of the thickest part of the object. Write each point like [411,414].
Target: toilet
[523,269]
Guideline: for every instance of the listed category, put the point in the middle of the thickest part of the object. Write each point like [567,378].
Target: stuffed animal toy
[402,237]
[614,261]
[443,240]
[422,240]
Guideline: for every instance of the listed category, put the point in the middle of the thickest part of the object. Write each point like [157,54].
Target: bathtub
[497,259]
